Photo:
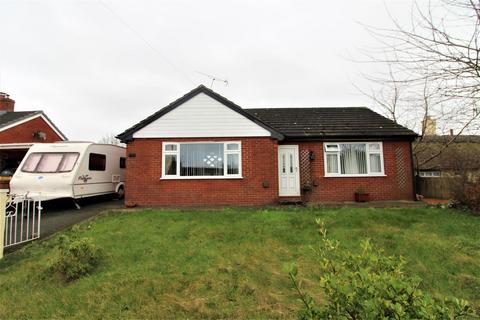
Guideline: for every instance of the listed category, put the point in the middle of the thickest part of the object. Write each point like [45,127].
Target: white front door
[288,171]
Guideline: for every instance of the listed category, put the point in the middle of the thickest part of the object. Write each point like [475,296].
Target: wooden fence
[437,188]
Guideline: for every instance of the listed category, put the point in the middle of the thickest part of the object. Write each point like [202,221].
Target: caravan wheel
[121,193]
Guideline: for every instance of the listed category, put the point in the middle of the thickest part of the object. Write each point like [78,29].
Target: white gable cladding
[201,116]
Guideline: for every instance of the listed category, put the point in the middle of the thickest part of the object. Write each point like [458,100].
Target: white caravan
[70,170]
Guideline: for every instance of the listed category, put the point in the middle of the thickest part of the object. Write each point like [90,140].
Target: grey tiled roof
[299,123]
[330,122]
[7,118]
[461,154]
[11,117]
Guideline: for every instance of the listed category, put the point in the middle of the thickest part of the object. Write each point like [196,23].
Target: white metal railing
[22,220]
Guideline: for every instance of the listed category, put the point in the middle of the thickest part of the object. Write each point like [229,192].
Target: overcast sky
[98,67]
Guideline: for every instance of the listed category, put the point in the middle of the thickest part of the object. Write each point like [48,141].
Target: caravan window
[68,162]
[97,162]
[50,162]
[123,163]
[32,162]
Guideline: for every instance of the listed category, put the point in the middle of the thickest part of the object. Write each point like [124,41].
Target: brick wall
[259,165]
[23,133]
[396,185]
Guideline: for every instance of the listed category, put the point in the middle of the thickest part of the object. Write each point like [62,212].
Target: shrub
[77,258]
[370,285]
[472,195]
[466,192]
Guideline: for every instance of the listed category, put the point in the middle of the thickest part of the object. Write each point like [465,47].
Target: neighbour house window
[97,162]
[123,162]
[429,174]
[353,159]
[50,162]
[204,159]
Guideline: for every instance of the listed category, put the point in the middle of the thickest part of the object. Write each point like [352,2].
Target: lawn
[228,263]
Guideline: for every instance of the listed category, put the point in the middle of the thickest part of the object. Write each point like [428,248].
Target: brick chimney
[6,104]
[430,126]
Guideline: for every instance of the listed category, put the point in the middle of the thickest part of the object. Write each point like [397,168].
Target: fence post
[3,207]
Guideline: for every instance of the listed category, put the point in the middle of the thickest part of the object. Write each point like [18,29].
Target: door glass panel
[291,163]
[283,163]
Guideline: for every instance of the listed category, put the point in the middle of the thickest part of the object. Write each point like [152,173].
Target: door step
[291,201]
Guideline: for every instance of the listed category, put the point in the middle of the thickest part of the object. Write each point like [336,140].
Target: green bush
[370,285]
[466,192]
[77,258]
[472,195]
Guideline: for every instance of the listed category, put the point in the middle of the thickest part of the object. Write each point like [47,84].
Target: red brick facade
[6,104]
[397,184]
[24,133]
[259,185]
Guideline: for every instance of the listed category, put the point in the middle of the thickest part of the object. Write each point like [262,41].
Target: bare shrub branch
[433,69]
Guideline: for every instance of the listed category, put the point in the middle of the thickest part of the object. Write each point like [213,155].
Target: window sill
[355,175]
[202,178]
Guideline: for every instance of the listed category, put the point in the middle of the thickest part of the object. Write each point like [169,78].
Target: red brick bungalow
[203,149]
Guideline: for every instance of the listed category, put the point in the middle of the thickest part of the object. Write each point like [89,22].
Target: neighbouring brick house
[203,149]
[445,163]
[461,156]
[19,130]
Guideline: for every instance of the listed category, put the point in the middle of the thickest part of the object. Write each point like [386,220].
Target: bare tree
[433,69]
[110,139]
[387,97]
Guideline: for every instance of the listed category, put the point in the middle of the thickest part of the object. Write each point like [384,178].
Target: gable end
[14,119]
[128,134]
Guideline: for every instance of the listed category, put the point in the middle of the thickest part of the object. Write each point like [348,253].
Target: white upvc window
[430,174]
[353,159]
[202,160]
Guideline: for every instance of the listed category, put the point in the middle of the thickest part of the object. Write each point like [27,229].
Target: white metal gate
[22,220]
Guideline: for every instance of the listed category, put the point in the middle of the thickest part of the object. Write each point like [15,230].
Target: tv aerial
[213,78]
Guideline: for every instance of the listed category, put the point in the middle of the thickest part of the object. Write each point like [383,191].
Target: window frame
[123,163]
[429,174]
[225,162]
[368,152]
[98,154]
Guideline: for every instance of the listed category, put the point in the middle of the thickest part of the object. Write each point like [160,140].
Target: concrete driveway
[61,215]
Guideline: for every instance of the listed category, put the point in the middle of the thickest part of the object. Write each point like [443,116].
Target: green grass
[228,263]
